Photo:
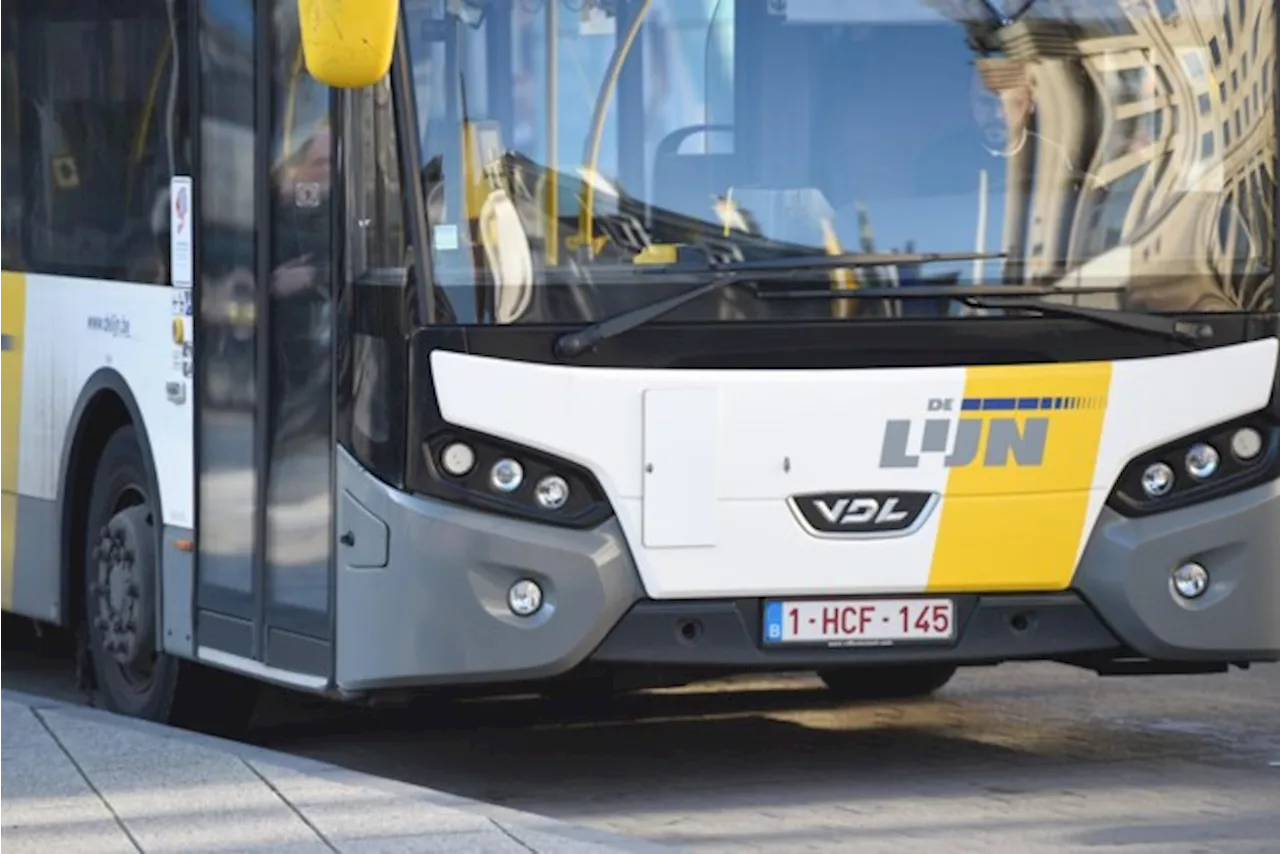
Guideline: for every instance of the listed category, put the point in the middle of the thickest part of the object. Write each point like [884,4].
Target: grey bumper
[1124,574]
[428,605]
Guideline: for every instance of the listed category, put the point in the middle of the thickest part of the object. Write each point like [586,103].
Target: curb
[510,819]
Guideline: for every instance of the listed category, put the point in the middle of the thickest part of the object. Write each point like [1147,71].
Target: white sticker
[445,237]
[180,231]
[594,21]
[306,194]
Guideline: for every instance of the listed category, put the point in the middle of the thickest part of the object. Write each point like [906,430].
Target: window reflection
[300,448]
[1089,141]
[228,364]
[90,144]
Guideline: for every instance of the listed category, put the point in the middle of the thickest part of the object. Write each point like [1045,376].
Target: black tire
[121,583]
[887,683]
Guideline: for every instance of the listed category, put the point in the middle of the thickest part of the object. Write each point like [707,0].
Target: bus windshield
[1094,145]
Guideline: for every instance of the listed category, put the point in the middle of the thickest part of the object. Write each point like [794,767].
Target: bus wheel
[132,677]
[887,683]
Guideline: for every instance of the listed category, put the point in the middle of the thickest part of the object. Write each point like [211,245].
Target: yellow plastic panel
[348,43]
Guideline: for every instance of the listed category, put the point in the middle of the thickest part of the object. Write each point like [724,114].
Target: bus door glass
[228,329]
[265,537]
[298,541]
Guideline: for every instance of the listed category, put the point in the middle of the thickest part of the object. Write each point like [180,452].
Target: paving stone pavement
[81,780]
[1027,759]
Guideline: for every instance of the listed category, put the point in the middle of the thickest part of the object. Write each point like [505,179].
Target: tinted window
[227,291]
[12,213]
[103,128]
[569,144]
[300,445]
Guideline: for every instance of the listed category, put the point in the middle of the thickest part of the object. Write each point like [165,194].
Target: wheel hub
[125,618]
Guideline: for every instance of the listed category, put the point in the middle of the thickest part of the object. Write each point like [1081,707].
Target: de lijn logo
[1017,431]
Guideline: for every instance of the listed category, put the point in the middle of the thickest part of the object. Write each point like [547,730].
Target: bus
[373,348]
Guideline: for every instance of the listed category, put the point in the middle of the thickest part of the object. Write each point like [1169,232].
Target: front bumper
[727,634]
[430,607]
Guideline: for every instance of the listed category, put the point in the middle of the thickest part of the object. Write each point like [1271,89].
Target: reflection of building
[1151,151]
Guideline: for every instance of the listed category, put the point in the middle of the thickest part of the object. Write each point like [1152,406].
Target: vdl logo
[1016,428]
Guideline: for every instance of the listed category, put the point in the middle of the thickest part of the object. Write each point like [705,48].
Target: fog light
[552,492]
[1246,443]
[457,459]
[1202,461]
[1190,580]
[524,598]
[1157,480]
[506,475]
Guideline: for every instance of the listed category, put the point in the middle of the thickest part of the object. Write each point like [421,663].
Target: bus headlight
[1157,480]
[1208,464]
[1190,580]
[1202,461]
[457,458]
[552,492]
[1246,443]
[524,598]
[506,475]
[498,476]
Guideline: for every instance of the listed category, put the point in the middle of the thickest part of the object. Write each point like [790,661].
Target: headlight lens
[1157,480]
[1246,444]
[457,458]
[552,492]
[1202,461]
[506,475]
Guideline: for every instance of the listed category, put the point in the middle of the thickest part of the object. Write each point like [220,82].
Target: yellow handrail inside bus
[842,278]
[291,101]
[153,89]
[144,123]
[585,224]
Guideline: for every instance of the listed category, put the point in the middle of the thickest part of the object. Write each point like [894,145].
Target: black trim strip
[1275,167]
[892,343]
[404,100]
[727,634]
[262,340]
[337,274]
[195,73]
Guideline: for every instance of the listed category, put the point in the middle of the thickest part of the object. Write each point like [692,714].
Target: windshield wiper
[1171,328]
[708,277]
[1025,298]
[1016,297]
[991,297]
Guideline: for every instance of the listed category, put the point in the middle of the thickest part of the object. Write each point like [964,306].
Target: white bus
[536,344]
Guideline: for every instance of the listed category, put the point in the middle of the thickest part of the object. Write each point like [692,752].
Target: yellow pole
[552,184]
[597,131]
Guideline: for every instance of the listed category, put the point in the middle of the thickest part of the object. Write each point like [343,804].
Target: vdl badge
[863,514]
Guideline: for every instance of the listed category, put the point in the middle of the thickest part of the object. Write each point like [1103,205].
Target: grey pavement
[1026,759]
[75,779]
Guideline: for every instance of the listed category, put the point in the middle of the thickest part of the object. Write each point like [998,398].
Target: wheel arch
[105,404]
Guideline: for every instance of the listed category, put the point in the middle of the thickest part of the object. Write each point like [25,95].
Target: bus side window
[98,162]
[12,212]
[377,237]
[370,338]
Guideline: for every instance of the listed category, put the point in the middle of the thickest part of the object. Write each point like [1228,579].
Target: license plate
[859,622]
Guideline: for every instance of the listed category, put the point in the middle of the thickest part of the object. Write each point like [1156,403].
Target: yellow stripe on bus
[13,311]
[1010,526]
